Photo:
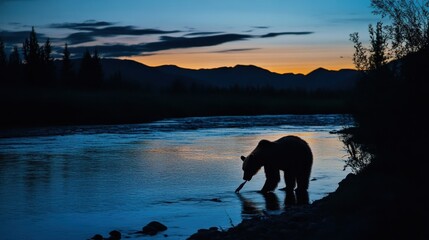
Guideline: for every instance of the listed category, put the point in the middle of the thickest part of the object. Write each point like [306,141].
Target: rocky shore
[363,207]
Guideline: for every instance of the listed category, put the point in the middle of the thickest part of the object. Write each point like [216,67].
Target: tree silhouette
[14,72]
[38,61]
[378,49]
[392,93]
[31,50]
[97,70]
[3,62]
[47,62]
[14,58]
[67,74]
[91,73]
[377,55]
[409,24]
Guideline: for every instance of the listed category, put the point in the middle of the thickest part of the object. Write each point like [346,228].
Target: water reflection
[251,209]
[104,177]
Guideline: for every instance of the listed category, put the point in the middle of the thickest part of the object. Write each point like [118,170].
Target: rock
[206,234]
[153,228]
[115,235]
[97,237]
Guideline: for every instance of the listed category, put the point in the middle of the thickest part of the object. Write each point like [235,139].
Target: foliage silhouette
[391,84]
[42,91]
[67,73]
[90,75]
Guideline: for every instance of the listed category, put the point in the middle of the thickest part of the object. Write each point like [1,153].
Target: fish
[240,187]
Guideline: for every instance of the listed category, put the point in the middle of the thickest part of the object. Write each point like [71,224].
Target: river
[75,182]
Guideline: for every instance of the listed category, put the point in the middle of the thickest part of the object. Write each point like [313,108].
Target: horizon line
[235,65]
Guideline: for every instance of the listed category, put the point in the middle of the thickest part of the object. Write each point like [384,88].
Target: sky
[284,36]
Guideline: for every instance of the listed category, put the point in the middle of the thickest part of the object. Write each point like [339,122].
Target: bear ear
[243,158]
[264,142]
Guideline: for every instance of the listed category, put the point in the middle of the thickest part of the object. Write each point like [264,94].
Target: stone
[153,228]
[97,237]
[115,235]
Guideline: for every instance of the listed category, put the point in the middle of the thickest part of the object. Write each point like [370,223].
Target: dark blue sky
[280,35]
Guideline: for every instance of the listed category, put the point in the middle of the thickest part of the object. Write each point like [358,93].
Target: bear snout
[247,177]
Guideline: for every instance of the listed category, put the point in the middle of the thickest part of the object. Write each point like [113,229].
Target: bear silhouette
[290,154]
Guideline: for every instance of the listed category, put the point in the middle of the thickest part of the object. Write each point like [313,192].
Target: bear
[292,155]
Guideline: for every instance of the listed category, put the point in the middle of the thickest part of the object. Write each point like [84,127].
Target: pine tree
[90,74]
[97,70]
[48,74]
[85,69]
[14,58]
[3,63]
[32,58]
[67,74]
[3,60]
[14,72]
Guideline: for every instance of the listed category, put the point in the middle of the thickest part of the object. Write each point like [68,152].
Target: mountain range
[227,77]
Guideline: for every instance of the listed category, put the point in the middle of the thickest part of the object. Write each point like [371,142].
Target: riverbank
[38,107]
[365,206]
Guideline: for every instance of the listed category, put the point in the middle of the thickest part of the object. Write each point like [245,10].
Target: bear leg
[301,192]
[290,182]
[302,197]
[272,179]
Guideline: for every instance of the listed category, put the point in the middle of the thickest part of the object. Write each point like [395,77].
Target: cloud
[166,43]
[235,50]
[89,31]
[89,24]
[17,37]
[269,35]
[260,27]
[202,33]
[91,34]
[112,50]
[184,42]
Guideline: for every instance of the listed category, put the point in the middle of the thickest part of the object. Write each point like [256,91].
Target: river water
[75,182]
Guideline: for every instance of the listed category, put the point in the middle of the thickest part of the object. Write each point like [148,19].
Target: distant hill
[227,77]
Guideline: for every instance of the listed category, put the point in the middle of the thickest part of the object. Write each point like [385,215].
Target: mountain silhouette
[243,76]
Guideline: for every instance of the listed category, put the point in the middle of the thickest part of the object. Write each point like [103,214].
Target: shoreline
[364,206]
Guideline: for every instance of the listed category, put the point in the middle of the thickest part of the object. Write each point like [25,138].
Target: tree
[97,70]
[37,60]
[85,69]
[90,74]
[47,62]
[14,66]
[32,58]
[47,50]
[391,95]
[3,62]
[360,58]
[409,27]
[14,58]
[377,55]
[67,74]
[378,49]
[31,49]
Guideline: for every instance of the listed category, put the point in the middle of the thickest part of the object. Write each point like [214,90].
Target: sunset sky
[279,35]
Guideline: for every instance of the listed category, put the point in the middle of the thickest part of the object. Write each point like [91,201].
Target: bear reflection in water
[290,154]
[250,209]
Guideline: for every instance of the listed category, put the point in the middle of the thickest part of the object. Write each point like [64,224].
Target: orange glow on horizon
[276,59]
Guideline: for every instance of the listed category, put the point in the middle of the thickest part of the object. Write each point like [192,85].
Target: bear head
[255,160]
